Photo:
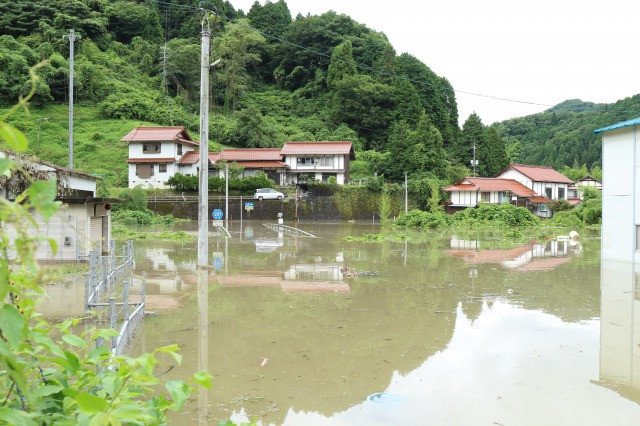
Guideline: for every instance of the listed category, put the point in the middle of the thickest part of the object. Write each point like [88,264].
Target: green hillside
[563,135]
[314,77]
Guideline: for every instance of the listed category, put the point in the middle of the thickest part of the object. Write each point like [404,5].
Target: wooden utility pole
[406,194]
[72,36]
[203,183]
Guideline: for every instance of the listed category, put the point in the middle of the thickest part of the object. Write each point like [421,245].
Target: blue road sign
[218,263]
[217,214]
[248,206]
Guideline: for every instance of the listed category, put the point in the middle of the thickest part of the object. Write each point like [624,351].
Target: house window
[306,161]
[151,148]
[573,193]
[548,193]
[561,194]
[179,149]
[162,168]
[144,171]
[324,161]
[485,196]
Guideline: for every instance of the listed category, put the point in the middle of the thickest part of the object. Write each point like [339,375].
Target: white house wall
[537,187]
[619,167]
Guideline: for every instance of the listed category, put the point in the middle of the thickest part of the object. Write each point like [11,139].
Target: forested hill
[314,77]
[563,135]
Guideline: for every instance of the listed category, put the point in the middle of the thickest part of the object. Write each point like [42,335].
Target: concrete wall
[619,203]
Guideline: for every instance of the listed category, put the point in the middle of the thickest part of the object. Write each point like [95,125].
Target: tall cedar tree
[342,64]
[473,132]
[497,158]
[236,47]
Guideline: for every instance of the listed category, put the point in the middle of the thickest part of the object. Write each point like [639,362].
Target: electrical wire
[419,83]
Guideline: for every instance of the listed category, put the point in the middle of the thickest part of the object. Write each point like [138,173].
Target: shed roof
[319,148]
[250,154]
[159,134]
[491,184]
[538,173]
[620,125]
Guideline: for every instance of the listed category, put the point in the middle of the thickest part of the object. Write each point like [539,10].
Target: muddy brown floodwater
[444,331]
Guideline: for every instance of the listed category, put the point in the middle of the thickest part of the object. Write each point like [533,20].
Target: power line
[419,83]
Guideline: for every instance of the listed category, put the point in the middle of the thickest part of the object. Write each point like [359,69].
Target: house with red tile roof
[317,160]
[255,160]
[158,152]
[528,186]
[472,191]
[542,179]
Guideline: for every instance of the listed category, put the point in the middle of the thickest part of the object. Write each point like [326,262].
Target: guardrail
[108,285]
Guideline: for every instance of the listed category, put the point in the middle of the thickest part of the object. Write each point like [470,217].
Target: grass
[120,232]
[57,273]
[98,149]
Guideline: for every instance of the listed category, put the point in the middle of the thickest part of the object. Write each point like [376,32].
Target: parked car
[268,194]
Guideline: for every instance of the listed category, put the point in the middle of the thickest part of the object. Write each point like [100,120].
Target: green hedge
[246,185]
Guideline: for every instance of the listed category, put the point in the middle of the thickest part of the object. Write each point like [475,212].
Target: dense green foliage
[48,373]
[589,212]
[244,186]
[323,77]
[563,135]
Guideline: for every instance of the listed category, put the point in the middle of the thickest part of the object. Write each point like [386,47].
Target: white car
[268,194]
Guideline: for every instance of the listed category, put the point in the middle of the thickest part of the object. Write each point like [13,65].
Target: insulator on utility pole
[203,183]
[72,36]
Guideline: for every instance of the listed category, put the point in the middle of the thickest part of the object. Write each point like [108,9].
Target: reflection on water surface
[306,330]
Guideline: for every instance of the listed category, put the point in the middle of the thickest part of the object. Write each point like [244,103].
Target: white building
[83,223]
[542,180]
[620,201]
[317,160]
[157,153]
[472,191]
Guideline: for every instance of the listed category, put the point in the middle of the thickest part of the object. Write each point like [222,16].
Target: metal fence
[108,288]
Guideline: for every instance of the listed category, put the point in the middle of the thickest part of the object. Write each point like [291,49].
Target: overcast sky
[542,51]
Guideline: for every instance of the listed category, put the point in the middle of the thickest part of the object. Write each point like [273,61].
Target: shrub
[180,182]
[245,185]
[140,217]
[496,215]
[560,206]
[132,199]
[419,219]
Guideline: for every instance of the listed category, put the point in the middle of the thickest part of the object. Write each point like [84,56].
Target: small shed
[82,224]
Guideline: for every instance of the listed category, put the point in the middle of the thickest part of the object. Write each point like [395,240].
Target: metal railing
[108,287]
[289,230]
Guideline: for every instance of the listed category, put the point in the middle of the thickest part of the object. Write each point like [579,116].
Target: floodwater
[441,331]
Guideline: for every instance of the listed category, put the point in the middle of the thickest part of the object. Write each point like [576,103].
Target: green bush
[141,217]
[245,185]
[419,219]
[495,215]
[132,199]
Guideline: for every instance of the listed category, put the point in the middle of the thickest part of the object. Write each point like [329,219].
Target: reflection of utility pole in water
[203,343]
[406,252]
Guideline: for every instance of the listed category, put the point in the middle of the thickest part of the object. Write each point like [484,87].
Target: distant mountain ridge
[563,134]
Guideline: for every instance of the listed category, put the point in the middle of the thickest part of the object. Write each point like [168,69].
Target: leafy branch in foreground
[49,374]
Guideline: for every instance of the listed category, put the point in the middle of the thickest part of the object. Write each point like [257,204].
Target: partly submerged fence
[108,287]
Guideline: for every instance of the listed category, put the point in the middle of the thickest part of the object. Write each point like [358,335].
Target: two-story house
[543,180]
[317,160]
[155,154]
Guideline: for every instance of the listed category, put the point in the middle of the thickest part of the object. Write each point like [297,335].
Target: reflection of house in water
[529,257]
[163,275]
[298,278]
[268,245]
[620,329]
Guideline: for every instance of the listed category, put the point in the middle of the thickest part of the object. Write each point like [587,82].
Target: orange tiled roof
[151,160]
[159,134]
[261,164]
[538,199]
[539,173]
[190,157]
[492,184]
[250,154]
[319,148]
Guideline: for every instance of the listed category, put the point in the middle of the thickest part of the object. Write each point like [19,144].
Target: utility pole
[474,162]
[72,36]
[164,68]
[203,183]
[406,194]
[226,196]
